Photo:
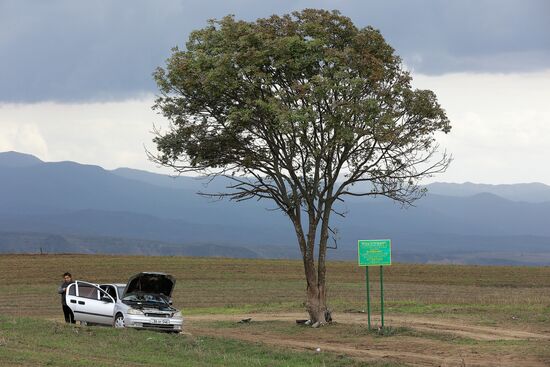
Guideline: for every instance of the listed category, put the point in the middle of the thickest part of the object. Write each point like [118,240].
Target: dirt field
[437,315]
[419,341]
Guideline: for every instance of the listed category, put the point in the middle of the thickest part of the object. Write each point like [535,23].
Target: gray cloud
[70,50]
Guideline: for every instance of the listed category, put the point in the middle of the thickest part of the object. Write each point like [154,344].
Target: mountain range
[71,207]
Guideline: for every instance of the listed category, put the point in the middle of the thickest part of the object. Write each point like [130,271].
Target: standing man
[67,279]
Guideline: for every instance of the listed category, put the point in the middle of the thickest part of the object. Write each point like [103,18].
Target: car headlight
[133,311]
[177,315]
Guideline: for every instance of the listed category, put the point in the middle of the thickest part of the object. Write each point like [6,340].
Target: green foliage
[294,103]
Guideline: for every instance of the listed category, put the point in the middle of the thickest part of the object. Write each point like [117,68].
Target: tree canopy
[297,109]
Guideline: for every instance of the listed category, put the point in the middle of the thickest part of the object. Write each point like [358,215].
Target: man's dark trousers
[68,314]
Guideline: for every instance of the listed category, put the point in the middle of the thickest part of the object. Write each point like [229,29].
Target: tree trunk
[316,304]
[316,300]
[316,292]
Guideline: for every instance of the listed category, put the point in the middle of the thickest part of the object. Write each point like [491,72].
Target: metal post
[382,294]
[368,293]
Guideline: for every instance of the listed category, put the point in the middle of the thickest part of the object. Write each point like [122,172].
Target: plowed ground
[437,315]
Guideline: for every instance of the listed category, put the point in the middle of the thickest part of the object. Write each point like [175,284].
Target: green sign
[374,252]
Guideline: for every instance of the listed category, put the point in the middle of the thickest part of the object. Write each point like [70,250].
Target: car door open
[91,304]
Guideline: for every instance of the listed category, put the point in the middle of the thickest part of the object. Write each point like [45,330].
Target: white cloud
[501,123]
[108,134]
[24,137]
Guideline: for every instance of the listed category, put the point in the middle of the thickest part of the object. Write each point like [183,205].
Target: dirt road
[480,346]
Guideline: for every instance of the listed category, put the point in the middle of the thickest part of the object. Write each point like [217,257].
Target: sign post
[368,293]
[374,253]
[382,294]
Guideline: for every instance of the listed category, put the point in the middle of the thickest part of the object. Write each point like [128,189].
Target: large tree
[297,109]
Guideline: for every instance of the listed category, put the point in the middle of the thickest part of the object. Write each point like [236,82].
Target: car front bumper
[153,323]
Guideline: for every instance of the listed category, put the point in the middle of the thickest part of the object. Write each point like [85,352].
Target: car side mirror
[106,299]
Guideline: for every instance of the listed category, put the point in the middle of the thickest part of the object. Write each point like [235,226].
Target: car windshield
[145,297]
[121,289]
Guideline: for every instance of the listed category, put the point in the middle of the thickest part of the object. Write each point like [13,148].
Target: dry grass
[509,298]
[489,294]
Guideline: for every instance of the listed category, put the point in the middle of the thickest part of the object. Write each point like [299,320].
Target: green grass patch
[34,342]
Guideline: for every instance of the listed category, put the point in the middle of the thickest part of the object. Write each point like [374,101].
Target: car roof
[115,284]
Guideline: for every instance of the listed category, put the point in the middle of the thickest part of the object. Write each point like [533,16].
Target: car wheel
[119,321]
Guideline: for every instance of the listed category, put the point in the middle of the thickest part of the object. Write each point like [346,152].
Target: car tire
[119,321]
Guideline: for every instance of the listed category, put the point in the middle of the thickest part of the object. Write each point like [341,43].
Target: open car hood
[152,283]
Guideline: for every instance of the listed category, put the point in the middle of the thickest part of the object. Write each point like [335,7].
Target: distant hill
[21,242]
[530,192]
[453,223]
[173,182]
[15,159]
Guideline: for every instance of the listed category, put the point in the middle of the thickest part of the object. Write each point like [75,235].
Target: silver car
[144,302]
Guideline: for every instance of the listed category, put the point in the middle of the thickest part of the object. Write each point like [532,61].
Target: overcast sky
[75,76]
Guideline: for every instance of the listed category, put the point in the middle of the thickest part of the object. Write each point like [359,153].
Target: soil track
[456,327]
[415,351]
